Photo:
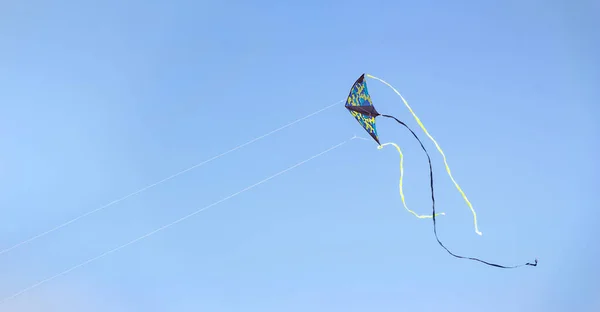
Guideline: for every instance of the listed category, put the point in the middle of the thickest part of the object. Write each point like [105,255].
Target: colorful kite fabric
[361,106]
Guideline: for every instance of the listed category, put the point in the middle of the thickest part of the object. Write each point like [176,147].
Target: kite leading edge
[360,105]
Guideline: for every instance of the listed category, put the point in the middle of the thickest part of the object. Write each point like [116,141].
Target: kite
[360,105]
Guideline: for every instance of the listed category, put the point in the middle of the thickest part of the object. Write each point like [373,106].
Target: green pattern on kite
[360,105]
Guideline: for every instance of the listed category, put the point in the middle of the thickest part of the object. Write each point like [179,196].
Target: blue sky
[101,98]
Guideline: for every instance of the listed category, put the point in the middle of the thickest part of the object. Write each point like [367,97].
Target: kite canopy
[360,105]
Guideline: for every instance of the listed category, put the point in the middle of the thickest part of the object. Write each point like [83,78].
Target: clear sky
[101,98]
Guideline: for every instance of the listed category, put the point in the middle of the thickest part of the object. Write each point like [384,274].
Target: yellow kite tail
[401,177]
[438,148]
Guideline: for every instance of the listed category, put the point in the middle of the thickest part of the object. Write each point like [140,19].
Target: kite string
[174,222]
[401,181]
[164,180]
[464,196]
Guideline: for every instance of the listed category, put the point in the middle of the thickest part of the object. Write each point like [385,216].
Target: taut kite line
[360,105]
[147,187]
[173,223]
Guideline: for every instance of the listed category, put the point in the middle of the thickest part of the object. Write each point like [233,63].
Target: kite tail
[433,208]
[438,148]
[401,178]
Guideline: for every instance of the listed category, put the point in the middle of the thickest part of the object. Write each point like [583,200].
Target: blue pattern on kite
[359,96]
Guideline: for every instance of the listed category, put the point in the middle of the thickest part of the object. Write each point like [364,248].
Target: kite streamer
[360,105]
[433,208]
[401,176]
[464,196]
